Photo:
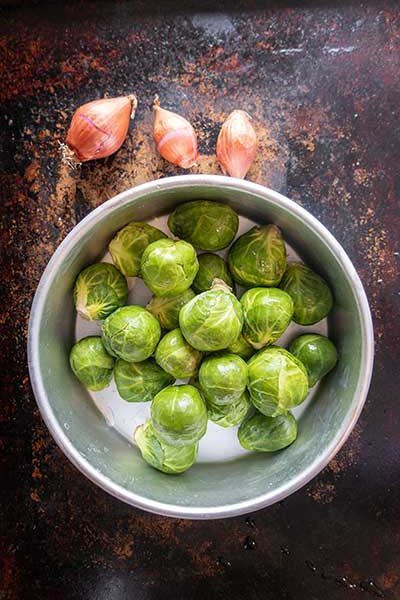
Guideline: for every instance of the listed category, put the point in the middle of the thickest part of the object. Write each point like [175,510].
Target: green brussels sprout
[179,415]
[176,356]
[267,313]
[99,290]
[258,257]
[168,268]
[162,456]
[211,266]
[317,353]
[277,381]
[223,378]
[90,363]
[242,348]
[207,225]
[229,415]
[213,320]
[127,247]
[166,310]
[140,382]
[131,333]
[267,434]
[311,295]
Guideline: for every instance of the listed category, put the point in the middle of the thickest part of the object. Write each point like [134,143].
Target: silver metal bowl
[210,489]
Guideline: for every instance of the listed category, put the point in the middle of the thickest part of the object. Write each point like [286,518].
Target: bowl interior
[218,444]
[208,489]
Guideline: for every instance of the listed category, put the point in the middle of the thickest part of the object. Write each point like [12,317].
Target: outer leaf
[242,348]
[127,247]
[267,313]
[211,267]
[212,320]
[179,415]
[229,415]
[205,224]
[258,257]
[99,290]
[140,382]
[223,378]
[131,333]
[91,364]
[167,310]
[176,356]
[317,353]
[277,381]
[168,268]
[312,298]
[161,456]
[267,434]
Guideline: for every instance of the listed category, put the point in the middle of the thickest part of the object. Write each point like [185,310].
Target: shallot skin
[174,137]
[99,128]
[236,144]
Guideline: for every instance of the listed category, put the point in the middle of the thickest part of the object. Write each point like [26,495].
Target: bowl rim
[176,510]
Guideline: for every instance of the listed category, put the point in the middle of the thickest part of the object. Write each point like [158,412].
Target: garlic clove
[236,144]
[174,137]
[99,128]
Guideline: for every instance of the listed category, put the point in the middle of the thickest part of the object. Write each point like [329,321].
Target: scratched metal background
[322,79]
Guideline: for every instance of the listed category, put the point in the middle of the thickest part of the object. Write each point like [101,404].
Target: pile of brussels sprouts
[195,328]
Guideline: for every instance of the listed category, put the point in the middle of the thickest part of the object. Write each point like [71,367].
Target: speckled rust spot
[349,454]
[9,578]
[202,558]
[36,473]
[390,580]
[125,551]
[361,176]
[323,493]
[35,496]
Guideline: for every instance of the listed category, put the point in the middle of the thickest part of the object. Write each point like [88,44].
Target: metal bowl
[210,489]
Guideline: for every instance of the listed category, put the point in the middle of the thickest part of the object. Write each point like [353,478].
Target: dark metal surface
[323,81]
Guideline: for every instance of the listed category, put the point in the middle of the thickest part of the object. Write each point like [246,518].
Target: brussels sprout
[166,310]
[168,268]
[131,333]
[241,348]
[212,320]
[140,382]
[179,415]
[258,257]
[223,378]
[99,290]
[267,434]
[90,363]
[311,295]
[127,247]
[230,414]
[317,353]
[277,381]
[267,313]
[176,356]
[207,225]
[211,266]
[161,456]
